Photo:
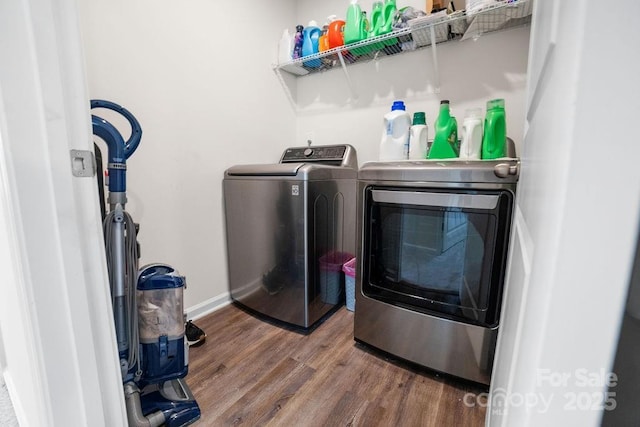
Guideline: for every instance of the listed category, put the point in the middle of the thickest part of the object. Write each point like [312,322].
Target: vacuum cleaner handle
[136,131]
[119,151]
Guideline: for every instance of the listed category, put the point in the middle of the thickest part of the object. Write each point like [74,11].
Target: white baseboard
[248,289]
[209,306]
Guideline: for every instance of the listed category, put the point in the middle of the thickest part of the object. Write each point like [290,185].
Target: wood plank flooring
[251,372]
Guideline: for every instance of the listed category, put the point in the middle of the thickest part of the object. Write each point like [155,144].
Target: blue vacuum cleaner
[147,302]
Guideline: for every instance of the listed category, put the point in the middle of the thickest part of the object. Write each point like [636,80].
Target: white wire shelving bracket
[427,31]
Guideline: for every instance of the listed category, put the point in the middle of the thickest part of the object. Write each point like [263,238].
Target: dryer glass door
[437,252]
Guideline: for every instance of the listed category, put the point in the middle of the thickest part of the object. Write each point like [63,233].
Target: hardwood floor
[251,372]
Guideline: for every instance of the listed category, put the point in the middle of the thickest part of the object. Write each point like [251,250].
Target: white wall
[471,73]
[198,77]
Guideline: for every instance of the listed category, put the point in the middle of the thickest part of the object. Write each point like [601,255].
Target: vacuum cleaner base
[174,399]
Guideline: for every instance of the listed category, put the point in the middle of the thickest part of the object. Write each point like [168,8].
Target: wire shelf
[419,34]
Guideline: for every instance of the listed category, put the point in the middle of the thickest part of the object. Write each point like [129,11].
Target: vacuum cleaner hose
[130,276]
[134,409]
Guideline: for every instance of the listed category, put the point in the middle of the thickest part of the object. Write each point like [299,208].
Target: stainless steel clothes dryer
[433,244]
[290,226]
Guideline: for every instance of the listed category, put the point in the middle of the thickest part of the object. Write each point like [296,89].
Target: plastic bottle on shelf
[471,144]
[297,42]
[494,141]
[473,6]
[395,133]
[335,34]
[310,38]
[375,23]
[323,41]
[285,49]
[389,12]
[367,27]
[445,142]
[418,137]
[355,27]
[323,44]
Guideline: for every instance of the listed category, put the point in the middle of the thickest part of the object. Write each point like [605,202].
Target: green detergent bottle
[355,28]
[494,140]
[445,143]
[389,13]
[376,22]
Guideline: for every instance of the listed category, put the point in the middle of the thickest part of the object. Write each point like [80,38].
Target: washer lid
[279,169]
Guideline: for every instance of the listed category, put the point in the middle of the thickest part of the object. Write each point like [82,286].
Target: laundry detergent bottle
[389,12]
[418,137]
[355,27]
[310,39]
[395,133]
[375,23]
[323,41]
[335,34]
[471,144]
[445,142]
[494,141]
[285,48]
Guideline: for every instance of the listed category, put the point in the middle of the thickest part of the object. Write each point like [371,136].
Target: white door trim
[57,328]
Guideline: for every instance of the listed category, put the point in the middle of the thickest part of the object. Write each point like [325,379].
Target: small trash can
[331,282]
[349,269]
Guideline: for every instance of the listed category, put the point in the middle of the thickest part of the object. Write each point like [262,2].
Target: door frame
[59,352]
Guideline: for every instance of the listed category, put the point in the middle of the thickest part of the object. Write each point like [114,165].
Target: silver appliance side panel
[266,246]
[332,230]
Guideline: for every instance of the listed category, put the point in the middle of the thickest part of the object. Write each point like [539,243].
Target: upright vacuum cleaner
[147,302]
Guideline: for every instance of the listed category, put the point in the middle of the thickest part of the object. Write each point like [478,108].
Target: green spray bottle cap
[419,118]
[495,103]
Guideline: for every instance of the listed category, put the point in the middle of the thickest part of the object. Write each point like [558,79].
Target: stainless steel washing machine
[290,227]
[433,244]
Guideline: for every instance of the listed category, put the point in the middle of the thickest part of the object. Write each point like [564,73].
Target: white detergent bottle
[471,145]
[395,134]
[418,137]
[285,48]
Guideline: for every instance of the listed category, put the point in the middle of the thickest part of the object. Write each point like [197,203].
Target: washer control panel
[307,154]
